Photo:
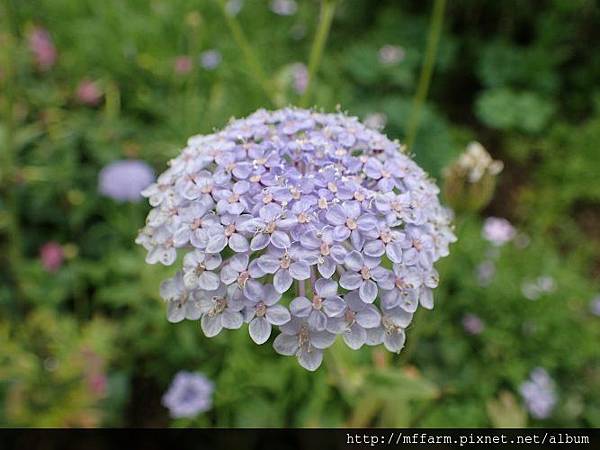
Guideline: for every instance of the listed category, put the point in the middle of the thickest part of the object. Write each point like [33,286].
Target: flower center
[332,187]
[285,262]
[350,316]
[197,223]
[261,309]
[270,227]
[303,218]
[317,302]
[229,230]
[242,278]
[351,224]
[359,196]
[417,244]
[386,236]
[325,249]
[365,272]
[233,198]
[389,326]
[323,203]
[219,306]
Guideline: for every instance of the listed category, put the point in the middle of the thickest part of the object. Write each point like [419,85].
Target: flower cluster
[539,393]
[308,222]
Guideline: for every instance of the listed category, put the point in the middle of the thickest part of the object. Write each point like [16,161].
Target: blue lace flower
[309,223]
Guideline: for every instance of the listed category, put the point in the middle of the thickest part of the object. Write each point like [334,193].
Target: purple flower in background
[52,256]
[375,120]
[210,59]
[183,65]
[233,7]
[539,393]
[498,231]
[391,54]
[284,7]
[309,224]
[188,395]
[89,93]
[125,180]
[485,272]
[43,48]
[472,324]
[299,77]
[595,306]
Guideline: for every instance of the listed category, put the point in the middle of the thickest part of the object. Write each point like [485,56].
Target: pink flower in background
[498,231]
[97,383]
[472,324]
[43,48]
[52,256]
[89,93]
[183,65]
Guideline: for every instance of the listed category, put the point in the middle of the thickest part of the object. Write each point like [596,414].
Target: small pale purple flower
[472,324]
[210,59]
[188,395]
[539,394]
[299,77]
[263,311]
[391,54]
[309,223]
[284,7]
[595,306]
[298,339]
[498,231]
[125,180]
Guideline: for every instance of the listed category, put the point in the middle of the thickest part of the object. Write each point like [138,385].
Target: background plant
[519,78]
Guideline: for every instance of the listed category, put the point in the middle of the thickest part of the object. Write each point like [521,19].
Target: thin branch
[316,51]
[433,38]
[249,54]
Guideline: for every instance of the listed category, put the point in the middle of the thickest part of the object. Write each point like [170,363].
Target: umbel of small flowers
[307,223]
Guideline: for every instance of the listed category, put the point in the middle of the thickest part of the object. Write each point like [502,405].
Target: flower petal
[278,315]
[310,358]
[286,344]
[368,291]
[211,326]
[300,270]
[260,330]
[282,281]
[301,307]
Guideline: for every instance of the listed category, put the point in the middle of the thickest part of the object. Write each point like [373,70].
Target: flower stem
[249,54]
[8,167]
[316,51]
[433,38]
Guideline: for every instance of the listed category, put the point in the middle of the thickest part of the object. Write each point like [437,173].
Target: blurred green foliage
[89,344]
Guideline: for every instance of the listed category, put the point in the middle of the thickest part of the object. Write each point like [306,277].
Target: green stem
[8,174]
[249,54]
[433,38]
[316,51]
